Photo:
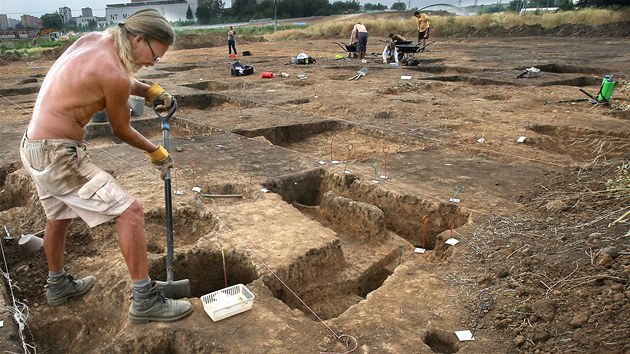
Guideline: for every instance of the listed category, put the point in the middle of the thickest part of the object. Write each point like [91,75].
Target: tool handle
[167,116]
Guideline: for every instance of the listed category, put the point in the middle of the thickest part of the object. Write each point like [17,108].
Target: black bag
[246,53]
[412,62]
[239,70]
[307,60]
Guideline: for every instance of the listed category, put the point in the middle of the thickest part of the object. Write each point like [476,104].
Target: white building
[173,10]
[66,14]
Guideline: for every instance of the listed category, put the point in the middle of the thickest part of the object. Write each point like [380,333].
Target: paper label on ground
[464,335]
[419,250]
[452,241]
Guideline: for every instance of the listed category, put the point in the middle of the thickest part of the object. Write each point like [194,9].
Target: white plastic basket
[227,302]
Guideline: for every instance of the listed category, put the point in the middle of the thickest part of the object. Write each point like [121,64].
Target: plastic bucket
[136,104]
[266,75]
[100,116]
[30,243]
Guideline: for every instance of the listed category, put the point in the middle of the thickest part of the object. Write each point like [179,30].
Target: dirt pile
[618,29]
[192,41]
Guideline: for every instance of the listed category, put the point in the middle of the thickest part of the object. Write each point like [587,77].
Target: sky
[16,8]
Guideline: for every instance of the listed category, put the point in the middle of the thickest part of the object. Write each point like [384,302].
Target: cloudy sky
[16,8]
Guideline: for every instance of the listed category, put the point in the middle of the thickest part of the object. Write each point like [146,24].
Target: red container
[266,75]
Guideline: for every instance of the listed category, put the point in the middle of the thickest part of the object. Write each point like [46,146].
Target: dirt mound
[618,29]
[193,41]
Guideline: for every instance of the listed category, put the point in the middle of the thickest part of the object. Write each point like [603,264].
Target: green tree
[565,5]
[377,7]
[602,3]
[92,25]
[399,6]
[52,20]
[490,9]
[209,11]
[339,7]
[189,14]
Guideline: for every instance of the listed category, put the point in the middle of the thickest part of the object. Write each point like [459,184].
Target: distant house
[538,9]
[173,10]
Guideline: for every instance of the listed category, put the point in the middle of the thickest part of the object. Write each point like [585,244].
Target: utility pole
[275,14]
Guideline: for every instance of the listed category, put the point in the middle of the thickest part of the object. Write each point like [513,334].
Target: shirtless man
[92,74]
[361,38]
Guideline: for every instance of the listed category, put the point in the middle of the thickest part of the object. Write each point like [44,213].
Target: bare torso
[74,88]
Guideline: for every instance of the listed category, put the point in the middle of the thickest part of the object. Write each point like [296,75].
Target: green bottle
[606,91]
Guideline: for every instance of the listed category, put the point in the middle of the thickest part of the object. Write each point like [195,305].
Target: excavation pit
[471,80]
[322,195]
[580,81]
[179,68]
[148,125]
[16,185]
[218,85]
[568,69]
[441,341]
[375,228]
[440,69]
[580,143]
[205,269]
[336,140]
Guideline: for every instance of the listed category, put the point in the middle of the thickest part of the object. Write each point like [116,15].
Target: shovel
[174,289]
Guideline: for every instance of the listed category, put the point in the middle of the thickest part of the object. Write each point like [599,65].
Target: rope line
[18,309]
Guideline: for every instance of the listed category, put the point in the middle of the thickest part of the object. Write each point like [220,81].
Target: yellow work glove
[161,159]
[156,92]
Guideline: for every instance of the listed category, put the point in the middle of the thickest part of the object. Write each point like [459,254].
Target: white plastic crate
[227,302]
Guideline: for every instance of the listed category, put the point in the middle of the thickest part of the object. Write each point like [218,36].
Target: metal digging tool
[362,72]
[174,289]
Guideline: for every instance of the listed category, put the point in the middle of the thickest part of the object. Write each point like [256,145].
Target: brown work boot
[150,305]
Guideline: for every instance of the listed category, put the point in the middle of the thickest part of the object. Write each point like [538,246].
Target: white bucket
[30,243]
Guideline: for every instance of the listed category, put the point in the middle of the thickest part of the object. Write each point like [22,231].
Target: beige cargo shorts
[69,185]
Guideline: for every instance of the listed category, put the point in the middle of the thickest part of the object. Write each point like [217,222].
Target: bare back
[76,87]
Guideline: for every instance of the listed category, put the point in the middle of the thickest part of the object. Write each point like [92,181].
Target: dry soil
[320,191]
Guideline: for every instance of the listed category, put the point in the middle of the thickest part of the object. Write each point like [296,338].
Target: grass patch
[404,23]
[241,31]
[28,47]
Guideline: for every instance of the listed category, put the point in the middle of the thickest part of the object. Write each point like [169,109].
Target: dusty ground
[358,173]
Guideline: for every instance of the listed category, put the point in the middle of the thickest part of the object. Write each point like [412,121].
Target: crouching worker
[395,37]
[95,73]
[390,53]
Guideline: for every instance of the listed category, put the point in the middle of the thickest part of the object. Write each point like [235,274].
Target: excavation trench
[333,140]
[579,143]
[375,228]
[579,81]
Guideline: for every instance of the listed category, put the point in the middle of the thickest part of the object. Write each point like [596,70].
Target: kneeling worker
[390,53]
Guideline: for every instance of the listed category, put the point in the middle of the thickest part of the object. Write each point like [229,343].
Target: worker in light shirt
[390,53]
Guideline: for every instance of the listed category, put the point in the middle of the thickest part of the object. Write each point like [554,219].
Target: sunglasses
[155,57]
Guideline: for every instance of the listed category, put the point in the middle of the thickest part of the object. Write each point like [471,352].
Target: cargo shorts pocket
[95,186]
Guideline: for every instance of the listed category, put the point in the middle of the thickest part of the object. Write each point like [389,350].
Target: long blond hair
[148,23]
